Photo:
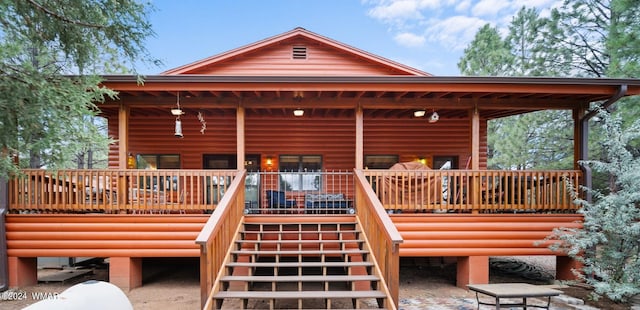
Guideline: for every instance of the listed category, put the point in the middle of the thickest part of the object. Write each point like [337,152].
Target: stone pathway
[466,304]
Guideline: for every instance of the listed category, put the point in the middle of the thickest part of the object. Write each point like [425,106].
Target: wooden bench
[513,290]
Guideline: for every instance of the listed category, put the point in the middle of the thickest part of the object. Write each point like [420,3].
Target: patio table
[513,290]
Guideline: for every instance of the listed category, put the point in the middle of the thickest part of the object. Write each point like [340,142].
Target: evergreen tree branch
[63,18]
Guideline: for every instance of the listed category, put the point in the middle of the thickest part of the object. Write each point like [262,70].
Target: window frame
[307,180]
[395,157]
[152,183]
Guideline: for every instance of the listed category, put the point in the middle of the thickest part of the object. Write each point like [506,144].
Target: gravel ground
[424,284]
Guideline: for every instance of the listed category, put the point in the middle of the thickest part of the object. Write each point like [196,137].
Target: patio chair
[277,200]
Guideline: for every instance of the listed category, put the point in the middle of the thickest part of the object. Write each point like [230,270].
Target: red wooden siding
[277,59]
[415,138]
[271,136]
[103,235]
[479,234]
[333,138]
[155,135]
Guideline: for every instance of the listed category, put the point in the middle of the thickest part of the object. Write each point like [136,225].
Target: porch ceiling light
[419,113]
[298,112]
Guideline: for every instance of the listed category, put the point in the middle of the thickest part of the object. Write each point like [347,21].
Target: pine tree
[487,54]
[50,54]
[608,244]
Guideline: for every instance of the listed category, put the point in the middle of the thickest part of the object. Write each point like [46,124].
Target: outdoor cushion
[277,199]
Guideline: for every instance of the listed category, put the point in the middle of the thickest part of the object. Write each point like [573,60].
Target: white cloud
[450,23]
[489,7]
[455,32]
[398,11]
[517,4]
[463,6]
[409,39]
[394,10]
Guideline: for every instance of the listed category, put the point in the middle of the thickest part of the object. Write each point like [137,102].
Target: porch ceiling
[388,97]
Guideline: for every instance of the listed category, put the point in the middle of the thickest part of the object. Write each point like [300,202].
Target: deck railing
[217,236]
[186,191]
[310,192]
[483,191]
[382,236]
[116,191]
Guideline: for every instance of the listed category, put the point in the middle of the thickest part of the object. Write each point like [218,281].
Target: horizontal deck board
[297,241]
[300,264]
[298,294]
[302,252]
[307,278]
[313,231]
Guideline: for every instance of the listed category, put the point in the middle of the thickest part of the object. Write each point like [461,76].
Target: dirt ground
[174,284]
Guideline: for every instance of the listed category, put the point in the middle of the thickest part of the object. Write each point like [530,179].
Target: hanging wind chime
[202,122]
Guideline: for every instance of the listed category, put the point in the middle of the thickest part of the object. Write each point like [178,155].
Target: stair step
[299,264]
[308,278]
[333,223]
[296,241]
[313,231]
[298,294]
[302,252]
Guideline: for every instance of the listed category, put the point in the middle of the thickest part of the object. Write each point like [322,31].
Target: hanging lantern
[178,131]
[131,161]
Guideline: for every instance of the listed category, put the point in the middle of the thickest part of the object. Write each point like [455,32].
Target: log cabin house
[300,153]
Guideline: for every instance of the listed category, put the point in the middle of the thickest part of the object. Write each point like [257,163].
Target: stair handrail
[378,226]
[217,236]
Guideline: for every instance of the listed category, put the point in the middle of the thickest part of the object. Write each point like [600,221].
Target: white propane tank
[94,295]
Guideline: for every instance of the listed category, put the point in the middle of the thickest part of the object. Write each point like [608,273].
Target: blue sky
[429,35]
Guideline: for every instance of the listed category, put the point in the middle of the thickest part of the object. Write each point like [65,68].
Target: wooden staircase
[315,264]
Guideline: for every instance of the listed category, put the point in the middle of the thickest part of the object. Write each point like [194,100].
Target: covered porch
[347,122]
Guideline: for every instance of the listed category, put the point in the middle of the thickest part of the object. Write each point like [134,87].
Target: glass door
[215,186]
[252,183]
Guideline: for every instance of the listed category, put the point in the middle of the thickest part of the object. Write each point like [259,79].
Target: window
[380,161]
[440,162]
[219,161]
[300,172]
[153,162]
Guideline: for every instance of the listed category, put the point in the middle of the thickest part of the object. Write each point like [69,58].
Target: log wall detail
[103,235]
[173,235]
[479,234]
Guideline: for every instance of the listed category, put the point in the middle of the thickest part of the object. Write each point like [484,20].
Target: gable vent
[299,52]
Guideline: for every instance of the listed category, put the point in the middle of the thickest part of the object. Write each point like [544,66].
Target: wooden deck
[519,214]
[135,191]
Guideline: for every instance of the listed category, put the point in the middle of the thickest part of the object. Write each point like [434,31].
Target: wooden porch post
[474,269]
[359,138]
[123,149]
[584,135]
[475,156]
[475,138]
[578,134]
[123,136]
[240,149]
